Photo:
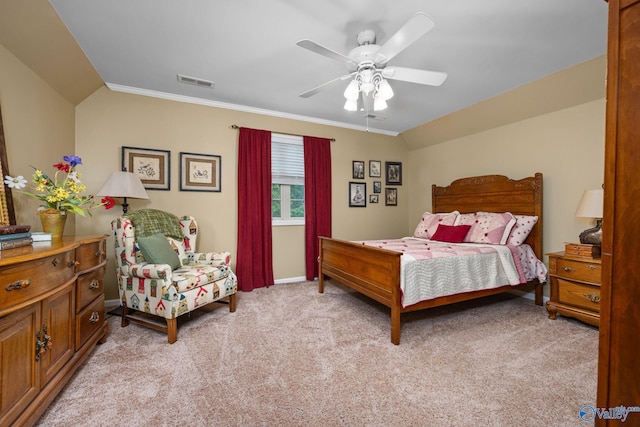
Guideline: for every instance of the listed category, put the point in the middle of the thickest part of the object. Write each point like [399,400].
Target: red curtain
[317,198]
[254,266]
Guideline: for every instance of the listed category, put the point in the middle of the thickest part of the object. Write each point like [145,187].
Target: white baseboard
[290,280]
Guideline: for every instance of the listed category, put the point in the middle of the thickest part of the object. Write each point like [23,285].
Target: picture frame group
[358,190]
[198,172]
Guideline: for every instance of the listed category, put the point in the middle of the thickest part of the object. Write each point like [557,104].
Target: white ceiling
[248,48]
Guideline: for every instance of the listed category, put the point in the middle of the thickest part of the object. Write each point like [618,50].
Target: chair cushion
[148,222]
[194,275]
[157,250]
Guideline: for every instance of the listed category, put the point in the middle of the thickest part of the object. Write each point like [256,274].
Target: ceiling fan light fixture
[384,90]
[379,104]
[351,105]
[352,91]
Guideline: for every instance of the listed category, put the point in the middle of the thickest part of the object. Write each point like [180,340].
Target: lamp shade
[590,205]
[123,184]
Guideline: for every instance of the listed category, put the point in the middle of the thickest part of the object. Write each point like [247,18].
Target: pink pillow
[451,233]
[487,227]
[521,230]
[429,223]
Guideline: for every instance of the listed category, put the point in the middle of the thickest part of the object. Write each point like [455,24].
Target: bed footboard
[371,271]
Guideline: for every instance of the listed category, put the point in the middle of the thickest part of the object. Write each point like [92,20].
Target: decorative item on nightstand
[124,184]
[590,206]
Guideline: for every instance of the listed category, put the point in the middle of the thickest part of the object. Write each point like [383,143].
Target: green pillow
[157,250]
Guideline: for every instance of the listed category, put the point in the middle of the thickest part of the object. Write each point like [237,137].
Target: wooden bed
[375,272]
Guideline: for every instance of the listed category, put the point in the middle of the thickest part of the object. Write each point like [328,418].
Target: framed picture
[393,172]
[200,172]
[151,166]
[375,168]
[373,198]
[391,197]
[358,169]
[357,194]
[377,186]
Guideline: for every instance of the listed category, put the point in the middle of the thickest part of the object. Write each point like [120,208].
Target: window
[287,180]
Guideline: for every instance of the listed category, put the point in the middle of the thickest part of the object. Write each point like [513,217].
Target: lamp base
[592,236]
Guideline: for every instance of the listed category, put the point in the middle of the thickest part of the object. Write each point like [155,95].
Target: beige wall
[41,126]
[108,120]
[38,129]
[567,146]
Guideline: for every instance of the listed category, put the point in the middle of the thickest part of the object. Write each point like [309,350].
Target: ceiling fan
[367,65]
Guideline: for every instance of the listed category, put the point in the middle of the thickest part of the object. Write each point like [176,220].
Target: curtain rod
[282,133]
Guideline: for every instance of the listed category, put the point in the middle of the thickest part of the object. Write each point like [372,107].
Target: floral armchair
[160,274]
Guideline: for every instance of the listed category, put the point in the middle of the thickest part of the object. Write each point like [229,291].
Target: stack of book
[14,236]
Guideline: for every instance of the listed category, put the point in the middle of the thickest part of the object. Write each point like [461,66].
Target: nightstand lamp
[590,206]
[123,184]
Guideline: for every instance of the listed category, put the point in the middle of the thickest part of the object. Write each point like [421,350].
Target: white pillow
[521,230]
[429,223]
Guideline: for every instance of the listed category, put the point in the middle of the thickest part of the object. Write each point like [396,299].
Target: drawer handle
[569,269]
[95,317]
[95,284]
[19,284]
[73,264]
[54,262]
[593,298]
[591,267]
[44,345]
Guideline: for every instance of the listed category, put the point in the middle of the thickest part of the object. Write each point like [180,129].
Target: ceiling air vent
[373,117]
[196,82]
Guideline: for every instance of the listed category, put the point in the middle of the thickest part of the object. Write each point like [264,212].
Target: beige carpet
[292,356]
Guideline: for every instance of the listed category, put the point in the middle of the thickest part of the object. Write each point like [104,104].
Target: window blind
[287,159]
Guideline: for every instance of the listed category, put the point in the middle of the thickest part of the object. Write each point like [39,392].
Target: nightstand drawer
[578,270]
[579,295]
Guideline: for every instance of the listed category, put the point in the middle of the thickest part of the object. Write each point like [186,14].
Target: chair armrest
[148,271]
[210,258]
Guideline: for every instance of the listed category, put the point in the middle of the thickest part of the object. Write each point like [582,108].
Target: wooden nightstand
[575,287]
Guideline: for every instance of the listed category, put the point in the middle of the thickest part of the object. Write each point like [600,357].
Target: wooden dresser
[51,317]
[575,287]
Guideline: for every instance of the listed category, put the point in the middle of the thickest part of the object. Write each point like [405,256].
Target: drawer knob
[18,284]
[95,317]
[591,267]
[569,269]
[73,264]
[95,284]
[595,298]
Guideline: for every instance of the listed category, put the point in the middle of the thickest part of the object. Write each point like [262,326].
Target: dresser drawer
[89,287]
[577,270]
[89,320]
[89,255]
[579,295]
[26,280]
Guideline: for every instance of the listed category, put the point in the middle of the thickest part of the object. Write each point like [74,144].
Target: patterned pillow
[487,227]
[521,230]
[429,223]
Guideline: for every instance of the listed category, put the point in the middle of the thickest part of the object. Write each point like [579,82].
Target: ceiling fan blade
[324,51]
[423,77]
[317,89]
[417,26]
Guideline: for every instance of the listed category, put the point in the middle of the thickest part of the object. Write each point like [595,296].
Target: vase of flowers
[60,195]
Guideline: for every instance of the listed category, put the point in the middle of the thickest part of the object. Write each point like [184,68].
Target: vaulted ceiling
[248,49]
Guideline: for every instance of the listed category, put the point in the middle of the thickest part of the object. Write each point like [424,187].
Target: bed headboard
[494,193]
